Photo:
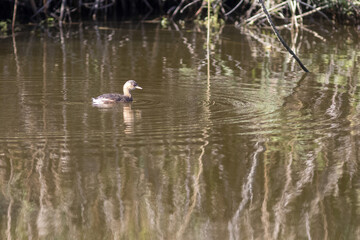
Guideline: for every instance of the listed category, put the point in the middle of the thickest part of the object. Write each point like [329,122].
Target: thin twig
[14,16]
[91,5]
[314,33]
[232,10]
[188,5]
[312,7]
[200,8]
[148,5]
[177,9]
[280,38]
[261,14]
[311,12]
[41,9]
[95,7]
[287,26]
[62,9]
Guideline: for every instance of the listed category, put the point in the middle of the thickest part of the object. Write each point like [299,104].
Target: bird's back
[111,98]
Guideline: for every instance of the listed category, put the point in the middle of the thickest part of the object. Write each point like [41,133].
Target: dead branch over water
[280,38]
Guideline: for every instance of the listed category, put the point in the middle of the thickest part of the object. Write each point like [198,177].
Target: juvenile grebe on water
[109,98]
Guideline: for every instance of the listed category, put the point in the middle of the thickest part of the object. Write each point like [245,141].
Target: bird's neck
[126,92]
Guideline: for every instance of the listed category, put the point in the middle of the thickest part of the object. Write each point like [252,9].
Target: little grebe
[109,98]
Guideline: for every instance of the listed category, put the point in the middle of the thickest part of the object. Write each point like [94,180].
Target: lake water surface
[256,149]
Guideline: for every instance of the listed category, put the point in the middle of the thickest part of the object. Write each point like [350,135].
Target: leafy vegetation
[3,26]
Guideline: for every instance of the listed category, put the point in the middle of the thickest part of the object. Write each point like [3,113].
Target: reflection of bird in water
[109,98]
[129,118]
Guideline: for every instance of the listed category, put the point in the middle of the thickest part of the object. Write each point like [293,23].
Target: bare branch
[280,38]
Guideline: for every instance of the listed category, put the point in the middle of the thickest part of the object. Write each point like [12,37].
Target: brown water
[258,150]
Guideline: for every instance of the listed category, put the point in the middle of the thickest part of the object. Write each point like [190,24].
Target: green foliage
[164,22]
[50,21]
[215,19]
[3,26]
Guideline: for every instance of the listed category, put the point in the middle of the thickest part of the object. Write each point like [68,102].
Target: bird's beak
[138,87]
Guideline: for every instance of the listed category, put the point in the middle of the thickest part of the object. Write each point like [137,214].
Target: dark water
[258,150]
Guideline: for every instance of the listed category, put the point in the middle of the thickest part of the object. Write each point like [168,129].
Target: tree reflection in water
[259,151]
